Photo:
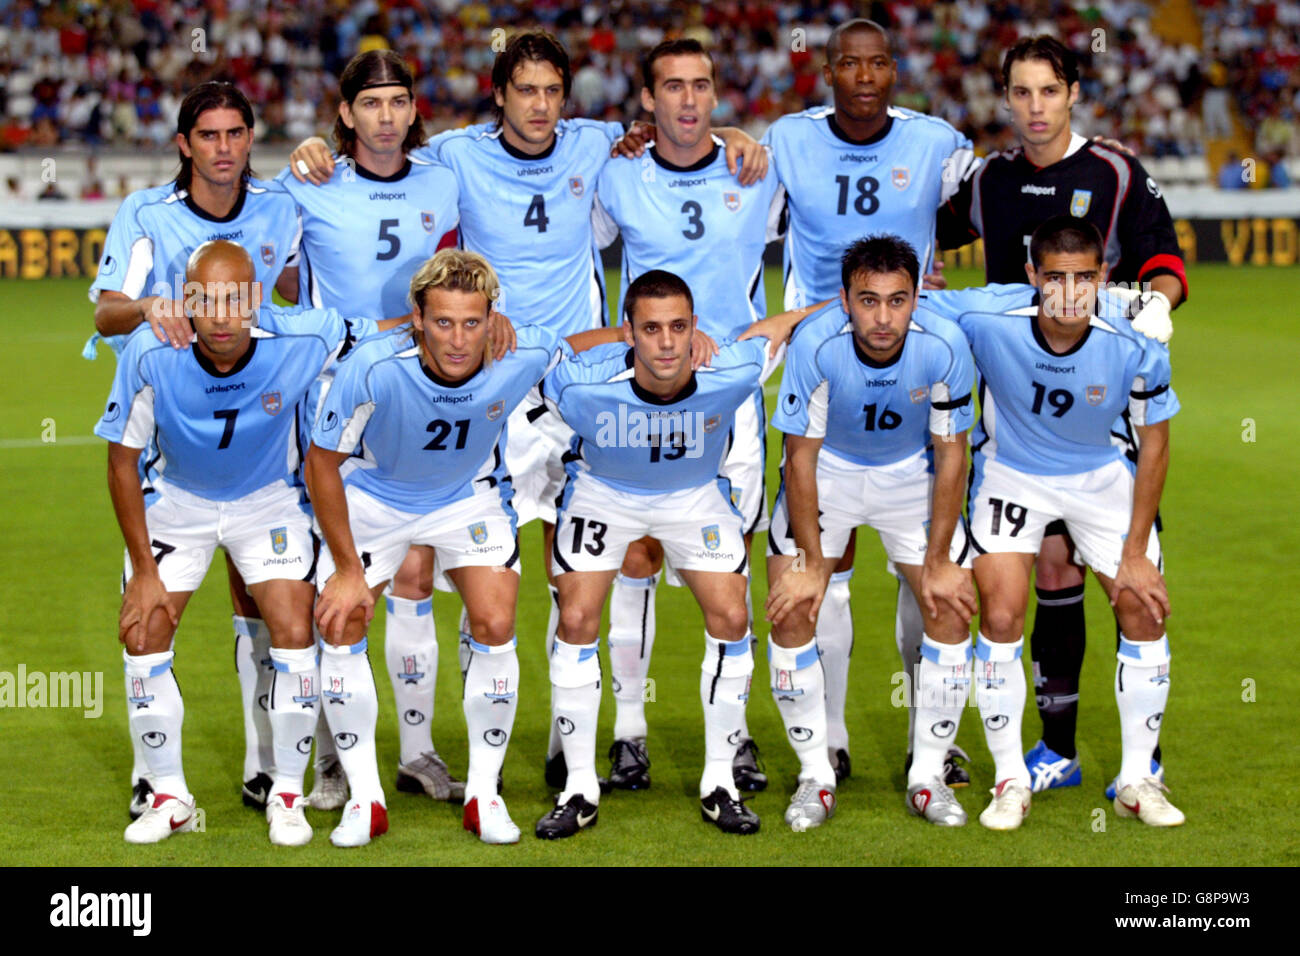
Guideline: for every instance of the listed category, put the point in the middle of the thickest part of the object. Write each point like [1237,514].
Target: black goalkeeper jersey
[1006,197]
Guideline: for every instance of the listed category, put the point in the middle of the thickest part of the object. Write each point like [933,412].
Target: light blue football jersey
[155,230]
[218,435]
[530,216]
[698,223]
[871,413]
[418,441]
[1049,414]
[838,190]
[632,440]
[364,236]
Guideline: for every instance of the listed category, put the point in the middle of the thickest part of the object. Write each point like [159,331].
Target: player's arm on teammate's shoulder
[805,579]
[144,593]
[287,284]
[1136,572]
[778,328]
[312,162]
[346,590]
[119,314]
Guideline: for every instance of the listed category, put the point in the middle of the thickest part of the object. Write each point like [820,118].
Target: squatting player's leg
[799,688]
[940,688]
[1003,583]
[631,639]
[491,690]
[411,655]
[835,642]
[253,668]
[294,702]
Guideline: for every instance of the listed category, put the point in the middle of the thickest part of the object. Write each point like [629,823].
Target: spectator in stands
[1233,174]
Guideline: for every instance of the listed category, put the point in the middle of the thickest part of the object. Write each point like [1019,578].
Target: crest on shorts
[731,200]
[268,253]
[575,185]
[712,422]
[736,494]
[900,176]
[426,220]
[478,531]
[1096,394]
[495,410]
[712,537]
[919,395]
[271,403]
[1080,202]
[280,540]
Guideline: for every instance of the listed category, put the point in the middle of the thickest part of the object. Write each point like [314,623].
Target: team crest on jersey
[478,531]
[736,494]
[1080,202]
[712,537]
[271,403]
[732,200]
[495,410]
[900,176]
[426,220]
[712,422]
[268,253]
[280,540]
[575,185]
[919,395]
[1096,394]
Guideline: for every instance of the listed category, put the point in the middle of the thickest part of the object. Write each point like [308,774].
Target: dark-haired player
[875,404]
[379,217]
[1058,363]
[140,279]
[860,166]
[1052,172]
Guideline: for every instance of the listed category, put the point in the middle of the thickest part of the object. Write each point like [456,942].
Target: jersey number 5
[386,235]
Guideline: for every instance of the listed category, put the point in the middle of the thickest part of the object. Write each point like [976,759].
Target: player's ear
[647,100]
[499,97]
[1074,93]
[345,114]
[183,144]
[844,301]
[627,331]
[1029,271]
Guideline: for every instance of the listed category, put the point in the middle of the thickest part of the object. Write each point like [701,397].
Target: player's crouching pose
[429,416]
[875,404]
[1058,364]
[223,415]
[645,460]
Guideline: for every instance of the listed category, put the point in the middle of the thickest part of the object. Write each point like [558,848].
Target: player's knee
[642,560]
[294,634]
[1135,619]
[579,624]
[794,630]
[1052,573]
[494,627]
[729,624]
[999,621]
[413,581]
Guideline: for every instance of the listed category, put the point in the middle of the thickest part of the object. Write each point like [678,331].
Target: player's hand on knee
[1137,574]
[312,162]
[168,320]
[144,595]
[344,593]
[947,584]
[703,348]
[632,143]
[792,589]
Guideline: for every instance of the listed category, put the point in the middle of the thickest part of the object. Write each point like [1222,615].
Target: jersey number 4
[536,214]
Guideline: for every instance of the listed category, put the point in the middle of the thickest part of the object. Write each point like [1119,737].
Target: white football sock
[834,637]
[1000,692]
[575,706]
[942,688]
[411,653]
[799,688]
[463,652]
[1141,691]
[631,637]
[552,629]
[253,667]
[724,688]
[352,707]
[490,701]
[909,626]
[295,708]
[155,712]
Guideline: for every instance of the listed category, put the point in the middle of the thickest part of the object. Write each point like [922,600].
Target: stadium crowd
[114,73]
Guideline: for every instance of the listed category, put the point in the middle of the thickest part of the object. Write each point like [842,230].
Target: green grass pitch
[1231,546]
